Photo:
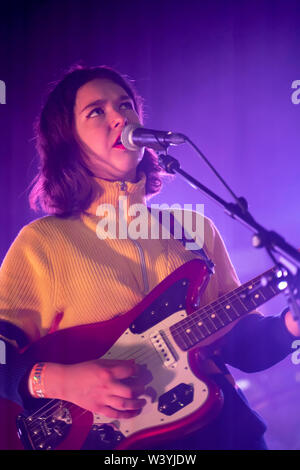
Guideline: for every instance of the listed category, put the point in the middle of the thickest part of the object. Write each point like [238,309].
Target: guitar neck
[226,309]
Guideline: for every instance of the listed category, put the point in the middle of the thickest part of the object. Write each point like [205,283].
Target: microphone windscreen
[126,136]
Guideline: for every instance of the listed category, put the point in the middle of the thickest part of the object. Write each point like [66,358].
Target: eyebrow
[101,102]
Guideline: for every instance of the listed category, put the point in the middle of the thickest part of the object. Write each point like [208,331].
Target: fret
[190,332]
[246,302]
[219,320]
[197,332]
[180,337]
[198,324]
[202,328]
[256,299]
[229,312]
[188,338]
[209,319]
[187,344]
[269,291]
[241,296]
[238,305]
[259,296]
[209,325]
[250,300]
[214,318]
[202,324]
[262,297]
[273,290]
[224,317]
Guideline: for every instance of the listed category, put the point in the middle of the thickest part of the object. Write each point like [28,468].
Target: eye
[97,112]
[127,105]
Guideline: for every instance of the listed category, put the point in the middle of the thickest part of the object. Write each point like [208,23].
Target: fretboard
[226,309]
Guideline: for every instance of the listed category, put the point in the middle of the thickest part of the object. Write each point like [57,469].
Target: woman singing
[60,274]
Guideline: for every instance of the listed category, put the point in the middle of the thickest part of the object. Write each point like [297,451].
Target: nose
[118,120]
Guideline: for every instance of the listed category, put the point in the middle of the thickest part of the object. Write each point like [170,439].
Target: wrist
[45,380]
[36,380]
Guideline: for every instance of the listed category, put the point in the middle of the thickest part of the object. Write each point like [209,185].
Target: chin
[128,161]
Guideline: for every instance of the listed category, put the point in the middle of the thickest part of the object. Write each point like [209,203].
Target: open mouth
[118,143]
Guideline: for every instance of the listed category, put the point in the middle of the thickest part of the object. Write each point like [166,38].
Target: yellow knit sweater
[61,266]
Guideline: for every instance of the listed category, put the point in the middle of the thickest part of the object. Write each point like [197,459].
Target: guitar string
[48,418]
[219,301]
[48,415]
[130,356]
[186,318]
[152,353]
[70,406]
[58,401]
[205,312]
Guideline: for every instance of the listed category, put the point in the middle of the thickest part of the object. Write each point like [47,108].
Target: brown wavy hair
[64,186]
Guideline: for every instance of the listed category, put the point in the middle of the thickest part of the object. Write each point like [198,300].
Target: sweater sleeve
[26,284]
[13,365]
[13,373]
[256,342]
[25,294]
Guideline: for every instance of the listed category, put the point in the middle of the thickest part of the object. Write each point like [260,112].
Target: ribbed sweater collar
[111,191]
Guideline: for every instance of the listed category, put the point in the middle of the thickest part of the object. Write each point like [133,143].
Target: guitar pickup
[163,349]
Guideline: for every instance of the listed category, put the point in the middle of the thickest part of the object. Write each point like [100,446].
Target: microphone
[135,136]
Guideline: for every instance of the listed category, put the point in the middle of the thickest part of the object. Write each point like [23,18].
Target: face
[102,109]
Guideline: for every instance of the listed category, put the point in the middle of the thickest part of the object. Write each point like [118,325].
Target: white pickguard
[167,372]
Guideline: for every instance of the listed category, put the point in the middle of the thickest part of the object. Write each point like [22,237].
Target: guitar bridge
[45,431]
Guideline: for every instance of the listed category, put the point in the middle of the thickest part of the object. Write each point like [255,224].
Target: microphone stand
[288,256]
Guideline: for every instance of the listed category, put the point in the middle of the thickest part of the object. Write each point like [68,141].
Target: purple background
[220,72]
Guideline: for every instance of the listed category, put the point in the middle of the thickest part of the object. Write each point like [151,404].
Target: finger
[119,389]
[136,386]
[122,404]
[124,369]
[117,414]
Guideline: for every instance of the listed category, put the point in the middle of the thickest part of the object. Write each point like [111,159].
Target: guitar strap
[170,224]
[213,363]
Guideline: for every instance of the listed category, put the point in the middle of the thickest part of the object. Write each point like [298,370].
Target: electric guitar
[164,334]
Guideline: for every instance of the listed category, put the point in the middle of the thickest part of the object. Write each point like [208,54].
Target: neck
[131,177]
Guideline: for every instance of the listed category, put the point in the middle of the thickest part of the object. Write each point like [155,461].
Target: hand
[108,387]
[291,324]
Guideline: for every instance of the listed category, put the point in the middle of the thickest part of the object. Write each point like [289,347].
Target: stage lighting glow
[243,384]
[282,285]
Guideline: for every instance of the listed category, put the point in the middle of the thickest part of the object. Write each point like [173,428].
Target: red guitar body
[180,400]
